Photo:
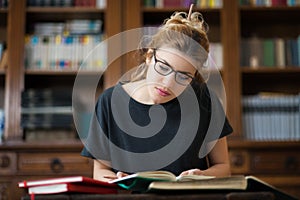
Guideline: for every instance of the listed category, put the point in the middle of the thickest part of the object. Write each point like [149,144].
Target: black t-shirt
[171,136]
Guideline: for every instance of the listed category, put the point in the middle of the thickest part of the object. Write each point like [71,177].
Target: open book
[231,183]
[68,184]
[141,180]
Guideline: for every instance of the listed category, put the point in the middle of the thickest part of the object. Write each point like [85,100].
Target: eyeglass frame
[172,70]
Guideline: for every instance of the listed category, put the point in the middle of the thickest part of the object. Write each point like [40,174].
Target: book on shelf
[3,59]
[279,52]
[141,180]
[268,52]
[271,116]
[79,184]
[230,183]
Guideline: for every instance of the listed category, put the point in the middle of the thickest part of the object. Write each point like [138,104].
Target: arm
[102,170]
[218,161]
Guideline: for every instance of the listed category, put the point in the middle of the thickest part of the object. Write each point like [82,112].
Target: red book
[69,184]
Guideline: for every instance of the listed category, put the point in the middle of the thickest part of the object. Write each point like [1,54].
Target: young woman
[164,117]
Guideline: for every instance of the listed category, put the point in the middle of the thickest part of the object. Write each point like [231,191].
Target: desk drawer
[239,161]
[8,163]
[53,163]
[275,162]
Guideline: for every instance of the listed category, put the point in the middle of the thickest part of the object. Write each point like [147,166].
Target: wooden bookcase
[227,25]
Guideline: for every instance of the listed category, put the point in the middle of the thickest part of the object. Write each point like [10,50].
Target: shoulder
[200,88]
[105,97]
[107,93]
[203,94]
[113,92]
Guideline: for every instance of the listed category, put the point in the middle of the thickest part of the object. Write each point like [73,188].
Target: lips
[162,92]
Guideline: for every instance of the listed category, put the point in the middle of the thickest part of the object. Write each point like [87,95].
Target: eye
[163,67]
[182,77]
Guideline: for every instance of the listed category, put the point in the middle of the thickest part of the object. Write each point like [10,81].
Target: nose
[169,80]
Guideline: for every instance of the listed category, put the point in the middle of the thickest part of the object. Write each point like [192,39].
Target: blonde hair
[188,34]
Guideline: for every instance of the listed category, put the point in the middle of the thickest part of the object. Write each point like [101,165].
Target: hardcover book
[232,183]
[78,184]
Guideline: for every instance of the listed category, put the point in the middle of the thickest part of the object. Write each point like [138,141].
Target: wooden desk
[217,196]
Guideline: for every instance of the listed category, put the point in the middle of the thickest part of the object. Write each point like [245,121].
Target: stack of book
[45,111]
[78,184]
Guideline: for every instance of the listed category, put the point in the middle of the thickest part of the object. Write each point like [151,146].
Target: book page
[193,177]
[157,175]
[164,175]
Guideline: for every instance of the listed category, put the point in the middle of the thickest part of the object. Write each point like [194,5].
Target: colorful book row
[65,52]
[270,52]
[271,118]
[183,3]
[67,3]
[270,3]
[69,27]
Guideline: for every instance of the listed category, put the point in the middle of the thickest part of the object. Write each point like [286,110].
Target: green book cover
[268,58]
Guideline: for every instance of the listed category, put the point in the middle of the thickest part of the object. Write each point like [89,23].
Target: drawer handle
[238,160]
[56,165]
[291,163]
[4,161]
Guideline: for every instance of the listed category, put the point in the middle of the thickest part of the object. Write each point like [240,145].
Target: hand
[121,174]
[192,172]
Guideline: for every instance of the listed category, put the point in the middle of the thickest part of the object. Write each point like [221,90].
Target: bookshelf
[45,158]
[228,24]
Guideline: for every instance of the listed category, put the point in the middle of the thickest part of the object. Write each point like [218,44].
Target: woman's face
[169,73]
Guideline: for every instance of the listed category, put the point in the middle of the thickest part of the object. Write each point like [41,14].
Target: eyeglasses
[163,68]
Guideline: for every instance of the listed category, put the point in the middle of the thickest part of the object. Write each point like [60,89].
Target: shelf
[262,144]
[271,70]
[270,14]
[61,72]
[65,13]
[270,80]
[269,8]
[34,146]
[64,10]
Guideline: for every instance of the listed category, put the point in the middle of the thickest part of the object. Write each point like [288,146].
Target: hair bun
[195,21]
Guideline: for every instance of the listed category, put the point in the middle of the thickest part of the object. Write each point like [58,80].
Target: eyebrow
[165,62]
